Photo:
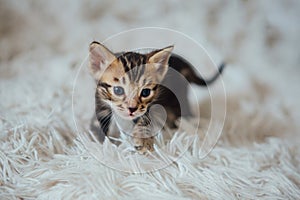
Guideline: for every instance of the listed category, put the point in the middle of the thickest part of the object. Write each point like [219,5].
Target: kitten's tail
[193,78]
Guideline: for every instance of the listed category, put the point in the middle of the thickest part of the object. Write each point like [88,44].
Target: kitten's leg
[141,137]
[103,116]
[96,129]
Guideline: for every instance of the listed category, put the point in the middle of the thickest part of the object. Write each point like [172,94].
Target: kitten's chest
[113,131]
[119,126]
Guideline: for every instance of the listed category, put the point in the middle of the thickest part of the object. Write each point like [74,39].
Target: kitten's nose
[132,109]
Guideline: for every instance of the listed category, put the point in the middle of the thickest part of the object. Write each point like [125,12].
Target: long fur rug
[47,152]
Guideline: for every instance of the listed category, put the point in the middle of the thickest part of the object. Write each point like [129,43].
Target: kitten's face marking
[128,93]
[128,83]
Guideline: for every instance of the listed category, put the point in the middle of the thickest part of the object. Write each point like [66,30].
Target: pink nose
[132,109]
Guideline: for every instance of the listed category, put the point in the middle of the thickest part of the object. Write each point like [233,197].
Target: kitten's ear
[160,59]
[100,58]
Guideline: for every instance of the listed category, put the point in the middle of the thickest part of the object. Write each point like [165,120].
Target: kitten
[130,83]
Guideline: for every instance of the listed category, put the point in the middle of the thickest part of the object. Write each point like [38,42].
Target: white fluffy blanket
[44,154]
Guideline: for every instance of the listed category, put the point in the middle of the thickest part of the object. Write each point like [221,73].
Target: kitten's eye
[118,90]
[145,92]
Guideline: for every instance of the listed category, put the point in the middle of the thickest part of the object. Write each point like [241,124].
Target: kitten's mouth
[133,116]
[129,116]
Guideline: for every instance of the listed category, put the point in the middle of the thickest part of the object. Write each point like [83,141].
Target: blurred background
[244,31]
[258,39]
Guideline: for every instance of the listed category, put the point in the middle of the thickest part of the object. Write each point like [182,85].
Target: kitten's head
[129,82]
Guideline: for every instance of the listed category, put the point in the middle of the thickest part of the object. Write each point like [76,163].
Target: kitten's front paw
[143,145]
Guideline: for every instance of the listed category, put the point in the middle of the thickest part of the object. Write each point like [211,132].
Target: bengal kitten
[129,83]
